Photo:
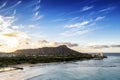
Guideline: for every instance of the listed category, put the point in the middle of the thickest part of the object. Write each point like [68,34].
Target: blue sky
[83,22]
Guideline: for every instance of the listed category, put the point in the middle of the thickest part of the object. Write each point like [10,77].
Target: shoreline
[29,71]
[24,74]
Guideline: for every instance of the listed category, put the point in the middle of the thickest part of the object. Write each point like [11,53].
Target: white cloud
[37,8]
[8,43]
[39,1]
[104,46]
[37,36]
[44,43]
[67,19]
[86,8]
[19,2]
[3,5]
[77,25]
[74,18]
[75,32]
[20,27]
[7,9]
[107,9]
[14,12]
[31,26]
[80,28]
[5,22]
[15,27]
[37,16]
[99,18]
[16,4]
[10,39]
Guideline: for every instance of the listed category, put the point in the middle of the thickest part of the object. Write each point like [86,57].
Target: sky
[83,25]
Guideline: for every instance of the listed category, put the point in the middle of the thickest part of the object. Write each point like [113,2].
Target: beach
[24,74]
[29,71]
[106,69]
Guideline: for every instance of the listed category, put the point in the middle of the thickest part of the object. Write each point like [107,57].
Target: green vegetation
[43,55]
[6,61]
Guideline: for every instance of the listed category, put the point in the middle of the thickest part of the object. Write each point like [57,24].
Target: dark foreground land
[42,55]
[5,61]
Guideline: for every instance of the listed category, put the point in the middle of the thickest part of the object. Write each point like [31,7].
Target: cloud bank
[104,46]
[45,43]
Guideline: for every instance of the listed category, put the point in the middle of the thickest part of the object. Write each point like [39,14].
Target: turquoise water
[107,69]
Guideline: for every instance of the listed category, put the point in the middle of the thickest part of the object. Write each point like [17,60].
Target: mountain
[62,50]
[43,55]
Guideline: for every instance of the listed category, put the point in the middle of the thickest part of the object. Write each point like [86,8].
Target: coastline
[29,71]
[24,74]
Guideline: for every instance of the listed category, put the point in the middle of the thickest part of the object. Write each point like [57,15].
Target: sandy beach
[28,72]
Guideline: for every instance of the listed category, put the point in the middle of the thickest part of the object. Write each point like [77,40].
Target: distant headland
[44,55]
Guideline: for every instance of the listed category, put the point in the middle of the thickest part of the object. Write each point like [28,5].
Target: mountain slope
[42,55]
[60,50]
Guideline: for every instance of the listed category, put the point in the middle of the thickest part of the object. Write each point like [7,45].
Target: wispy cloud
[14,12]
[77,25]
[99,18]
[81,28]
[107,9]
[115,45]
[74,18]
[37,8]
[15,27]
[86,8]
[37,15]
[20,27]
[10,38]
[103,46]
[76,32]
[45,43]
[31,26]
[66,19]
[10,8]
[98,46]
[39,1]
[3,5]
[16,4]
[5,22]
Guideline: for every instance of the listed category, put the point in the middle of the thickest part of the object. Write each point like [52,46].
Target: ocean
[106,69]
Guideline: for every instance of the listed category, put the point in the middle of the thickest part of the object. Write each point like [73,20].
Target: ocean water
[106,69]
